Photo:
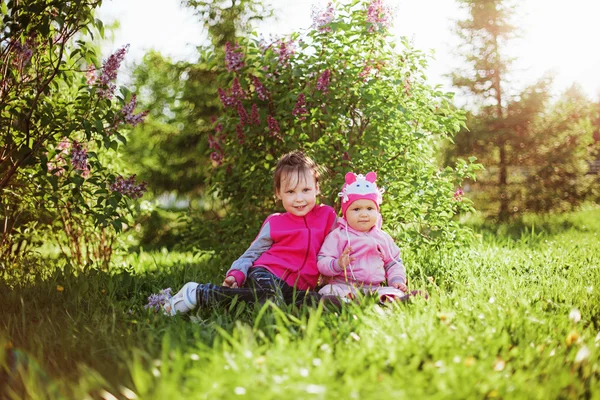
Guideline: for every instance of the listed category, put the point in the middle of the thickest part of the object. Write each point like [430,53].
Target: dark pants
[261,285]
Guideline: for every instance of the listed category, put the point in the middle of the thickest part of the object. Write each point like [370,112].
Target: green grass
[496,325]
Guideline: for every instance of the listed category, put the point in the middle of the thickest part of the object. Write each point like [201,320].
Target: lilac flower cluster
[233,57]
[128,115]
[127,187]
[300,110]
[226,99]
[157,300]
[239,132]
[254,116]
[216,157]
[112,64]
[379,15]
[90,75]
[243,114]
[22,52]
[109,73]
[56,165]
[273,125]
[323,81]
[214,142]
[236,89]
[323,17]
[79,158]
[458,194]
[260,89]
[284,51]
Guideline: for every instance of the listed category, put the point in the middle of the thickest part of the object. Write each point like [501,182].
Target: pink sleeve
[238,275]
[394,269]
[332,247]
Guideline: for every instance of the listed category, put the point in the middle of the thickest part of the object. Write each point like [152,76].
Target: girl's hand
[400,286]
[230,282]
[345,259]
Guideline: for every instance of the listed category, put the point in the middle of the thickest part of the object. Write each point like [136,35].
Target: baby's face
[362,215]
[298,193]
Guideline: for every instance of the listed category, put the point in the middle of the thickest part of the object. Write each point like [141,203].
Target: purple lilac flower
[64,145]
[127,187]
[284,51]
[233,57]
[244,119]
[239,130]
[323,81]
[55,166]
[213,142]
[254,115]
[112,64]
[260,89]
[236,89]
[216,157]
[226,100]
[379,15]
[157,300]
[300,108]
[79,157]
[90,75]
[108,91]
[129,116]
[273,125]
[323,17]
[458,194]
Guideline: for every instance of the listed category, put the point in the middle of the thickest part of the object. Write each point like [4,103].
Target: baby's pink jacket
[377,258]
[287,245]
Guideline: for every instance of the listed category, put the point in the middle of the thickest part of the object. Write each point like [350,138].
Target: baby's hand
[400,286]
[230,282]
[345,258]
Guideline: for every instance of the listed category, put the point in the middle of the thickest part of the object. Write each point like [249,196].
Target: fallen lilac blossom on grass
[157,300]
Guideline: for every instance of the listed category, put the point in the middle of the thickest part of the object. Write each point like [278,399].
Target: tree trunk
[503,167]
[502,184]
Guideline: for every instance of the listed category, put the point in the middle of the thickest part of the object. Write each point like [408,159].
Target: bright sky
[558,35]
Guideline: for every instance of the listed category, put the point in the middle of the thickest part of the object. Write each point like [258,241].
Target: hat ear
[371,177]
[350,178]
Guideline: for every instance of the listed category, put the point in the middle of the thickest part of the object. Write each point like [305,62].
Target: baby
[358,255]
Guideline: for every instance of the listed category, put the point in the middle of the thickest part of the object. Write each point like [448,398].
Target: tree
[538,150]
[485,34]
[61,122]
[558,155]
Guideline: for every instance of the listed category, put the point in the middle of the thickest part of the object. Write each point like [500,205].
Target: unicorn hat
[359,187]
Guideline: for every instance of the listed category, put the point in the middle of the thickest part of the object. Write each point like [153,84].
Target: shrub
[345,94]
[62,121]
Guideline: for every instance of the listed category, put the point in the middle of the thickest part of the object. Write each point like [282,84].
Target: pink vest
[296,243]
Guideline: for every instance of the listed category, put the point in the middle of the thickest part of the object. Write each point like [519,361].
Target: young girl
[282,259]
[358,255]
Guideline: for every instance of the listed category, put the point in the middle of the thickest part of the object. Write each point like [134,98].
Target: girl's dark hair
[295,162]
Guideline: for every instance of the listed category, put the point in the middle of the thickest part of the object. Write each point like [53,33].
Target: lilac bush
[63,118]
[355,98]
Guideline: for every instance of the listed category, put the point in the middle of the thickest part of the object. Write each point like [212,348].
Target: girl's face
[362,215]
[298,192]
